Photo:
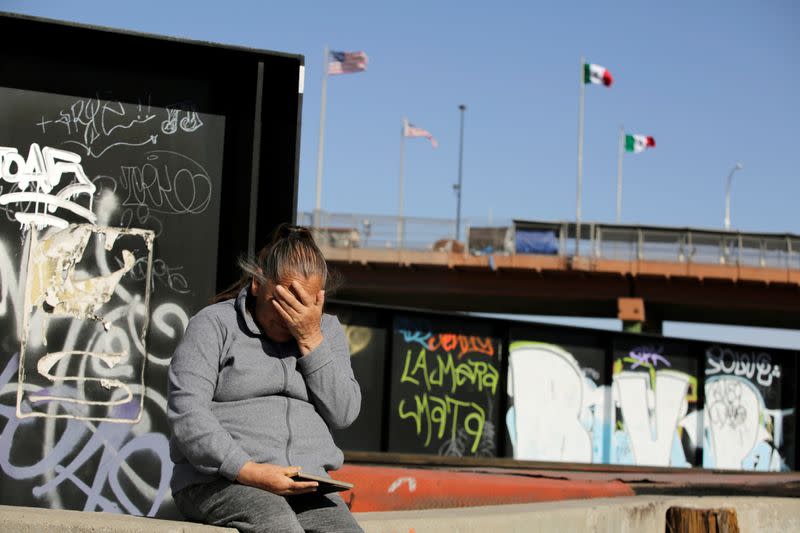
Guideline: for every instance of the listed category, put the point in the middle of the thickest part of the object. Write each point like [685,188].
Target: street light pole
[738,166]
[457,187]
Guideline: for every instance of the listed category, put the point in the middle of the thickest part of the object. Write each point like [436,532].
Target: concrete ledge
[36,520]
[638,514]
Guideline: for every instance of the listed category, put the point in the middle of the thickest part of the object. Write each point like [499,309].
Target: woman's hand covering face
[301,312]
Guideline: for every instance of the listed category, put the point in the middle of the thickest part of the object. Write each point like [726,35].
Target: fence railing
[697,246]
[598,241]
[381,231]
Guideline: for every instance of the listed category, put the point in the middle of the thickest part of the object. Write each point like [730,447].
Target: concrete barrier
[36,520]
[637,514]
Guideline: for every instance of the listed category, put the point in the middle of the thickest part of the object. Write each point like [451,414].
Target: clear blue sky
[714,82]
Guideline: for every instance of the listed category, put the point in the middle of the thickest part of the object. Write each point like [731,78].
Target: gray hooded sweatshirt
[236,396]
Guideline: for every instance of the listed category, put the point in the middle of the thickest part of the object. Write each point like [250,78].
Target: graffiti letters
[652,416]
[461,345]
[116,445]
[34,180]
[746,364]
[96,122]
[557,409]
[189,122]
[167,276]
[478,374]
[169,183]
[431,413]
[450,381]
[549,394]
[647,356]
[186,189]
[738,423]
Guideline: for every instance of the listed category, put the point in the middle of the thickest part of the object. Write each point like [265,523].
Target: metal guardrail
[695,246]
[359,230]
[597,241]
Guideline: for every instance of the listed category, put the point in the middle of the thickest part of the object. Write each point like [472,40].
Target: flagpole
[321,145]
[461,108]
[619,172]
[400,197]
[580,161]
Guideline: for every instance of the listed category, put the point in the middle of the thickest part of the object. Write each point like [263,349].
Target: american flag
[410,130]
[347,62]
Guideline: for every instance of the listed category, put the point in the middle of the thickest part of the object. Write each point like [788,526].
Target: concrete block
[37,520]
[638,514]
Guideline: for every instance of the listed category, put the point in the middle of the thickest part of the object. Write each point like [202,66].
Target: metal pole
[400,197]
[580,161]
[321,145]
[727,222]
[619,172]
[461,108]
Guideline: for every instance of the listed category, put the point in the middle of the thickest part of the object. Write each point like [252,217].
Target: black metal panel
[174,137]
[85,62]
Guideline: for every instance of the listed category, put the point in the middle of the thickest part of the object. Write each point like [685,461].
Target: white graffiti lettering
[732,409]
[116,443]
[190,122]
[747,364]
[735,430]
[96,122]
[41,172]
[169,183]
[547,386]
[651,415]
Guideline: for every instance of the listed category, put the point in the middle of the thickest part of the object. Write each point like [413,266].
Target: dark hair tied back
[288,231]
[292,252]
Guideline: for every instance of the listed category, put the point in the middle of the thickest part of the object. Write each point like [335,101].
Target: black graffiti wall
[445,387]
[559,404]
[655,392]
[750,415]
[367,336]
[127,174]
[576,395]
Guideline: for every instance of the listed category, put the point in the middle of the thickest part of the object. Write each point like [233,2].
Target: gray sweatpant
[248,509]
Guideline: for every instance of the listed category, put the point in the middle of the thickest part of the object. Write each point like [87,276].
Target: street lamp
[738,166]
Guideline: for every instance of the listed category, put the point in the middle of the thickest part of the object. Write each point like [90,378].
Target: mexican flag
[596,74]
[638,143]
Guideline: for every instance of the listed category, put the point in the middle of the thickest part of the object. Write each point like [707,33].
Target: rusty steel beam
[554,285]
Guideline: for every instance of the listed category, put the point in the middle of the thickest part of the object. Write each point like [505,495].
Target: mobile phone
[326,484]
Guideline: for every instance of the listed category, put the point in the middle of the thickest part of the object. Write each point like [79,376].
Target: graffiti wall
[564,408]
[559,406]
[367,336]
[96,287]
[650,413]
[445,387]
[130,173]
[654,390]
[749,416]
[581,396]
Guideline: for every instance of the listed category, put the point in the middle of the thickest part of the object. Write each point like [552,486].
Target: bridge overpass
[640,274]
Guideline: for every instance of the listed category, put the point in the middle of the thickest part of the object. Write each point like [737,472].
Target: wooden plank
[691,520]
